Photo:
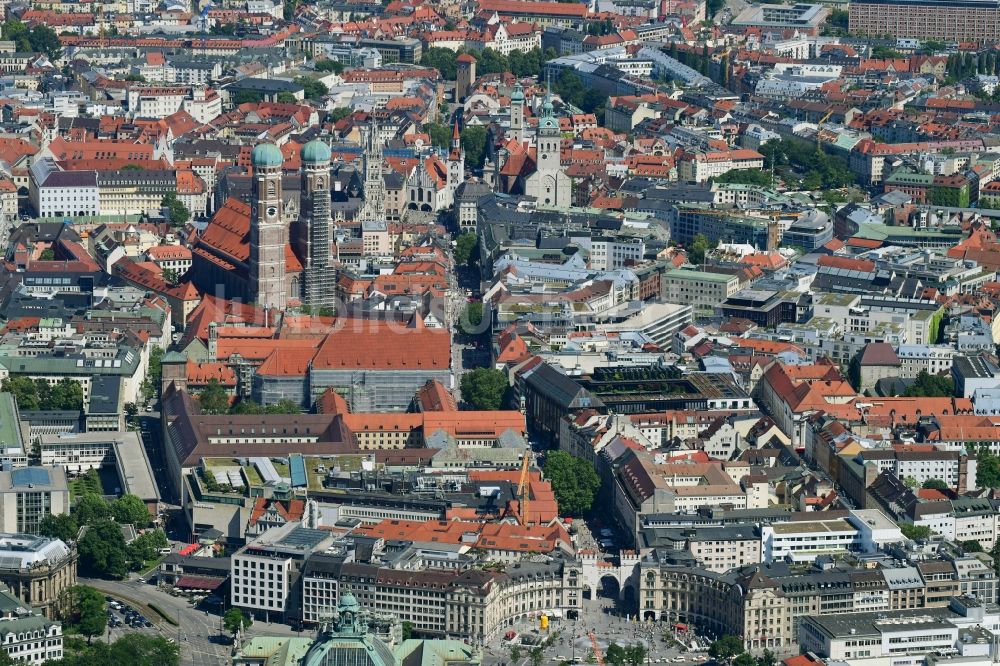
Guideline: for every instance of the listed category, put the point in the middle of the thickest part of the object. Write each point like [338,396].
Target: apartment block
[964,21]
[702,166]
[703,291]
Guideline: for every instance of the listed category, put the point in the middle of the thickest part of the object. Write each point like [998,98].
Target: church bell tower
[268,233]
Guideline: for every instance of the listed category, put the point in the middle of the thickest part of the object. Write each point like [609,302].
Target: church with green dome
[345,639]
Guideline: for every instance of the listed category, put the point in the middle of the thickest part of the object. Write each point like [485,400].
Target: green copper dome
[315,152]
[267,155]
[348,602]
[346,641]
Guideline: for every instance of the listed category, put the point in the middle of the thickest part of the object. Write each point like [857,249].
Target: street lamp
[575,619]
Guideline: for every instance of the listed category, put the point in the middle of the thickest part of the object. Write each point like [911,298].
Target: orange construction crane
[524,488]
[597,649]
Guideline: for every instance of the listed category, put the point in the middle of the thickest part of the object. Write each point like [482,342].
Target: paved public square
[571,639]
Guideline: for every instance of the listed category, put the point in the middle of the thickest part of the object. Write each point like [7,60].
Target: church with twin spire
[251,252]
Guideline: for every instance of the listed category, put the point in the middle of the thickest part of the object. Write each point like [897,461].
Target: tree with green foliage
[87,611]
[65,394]
[833,197]
[569,86]
[48,254]
[767,658]
[915,532]
[635,655]
[40,38]
[699,246]
[880,52]
[286,98]
[987,468]
[213,399]
[440,134]
[472,318]
[515,653]
[995,554]
[15,31]
[801,165]
[151,385]
[838,20]
[927,385]
[340,113]
[443,60]
[474,142]
[615,655]
[854,371]
[972,546]
[465,246]
[407,628]
[102,550]
[90,509]
[236,620]
[529,63]
[756,177]
[933,46]
[247,97]
[910,482]
[284,406]
[726,648]
[536,656]
[491,62]
[313,89]
[138,649]
[129,509]
[484,388]
[329,66]
[134,649]
[59,526]
[745,659]
[177,212]
[246,406]
[934,484]
[145,547]
[712,7]
[23,390]
[574,482]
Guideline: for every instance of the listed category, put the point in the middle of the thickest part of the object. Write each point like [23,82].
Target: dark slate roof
[71,179]
[558,387]
[265,85]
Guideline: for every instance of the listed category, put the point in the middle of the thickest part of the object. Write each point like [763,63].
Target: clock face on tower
[271,212]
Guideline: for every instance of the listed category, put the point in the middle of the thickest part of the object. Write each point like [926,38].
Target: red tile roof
[846,263]
[434,397]
[410,347]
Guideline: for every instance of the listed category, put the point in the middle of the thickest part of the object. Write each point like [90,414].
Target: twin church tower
[311,235]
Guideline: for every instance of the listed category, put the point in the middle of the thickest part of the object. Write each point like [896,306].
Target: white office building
[57,193]
[264,571]
[965,629]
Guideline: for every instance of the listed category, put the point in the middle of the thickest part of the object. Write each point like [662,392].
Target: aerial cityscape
[499,333]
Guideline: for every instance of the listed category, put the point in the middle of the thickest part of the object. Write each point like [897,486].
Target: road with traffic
[199,630]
